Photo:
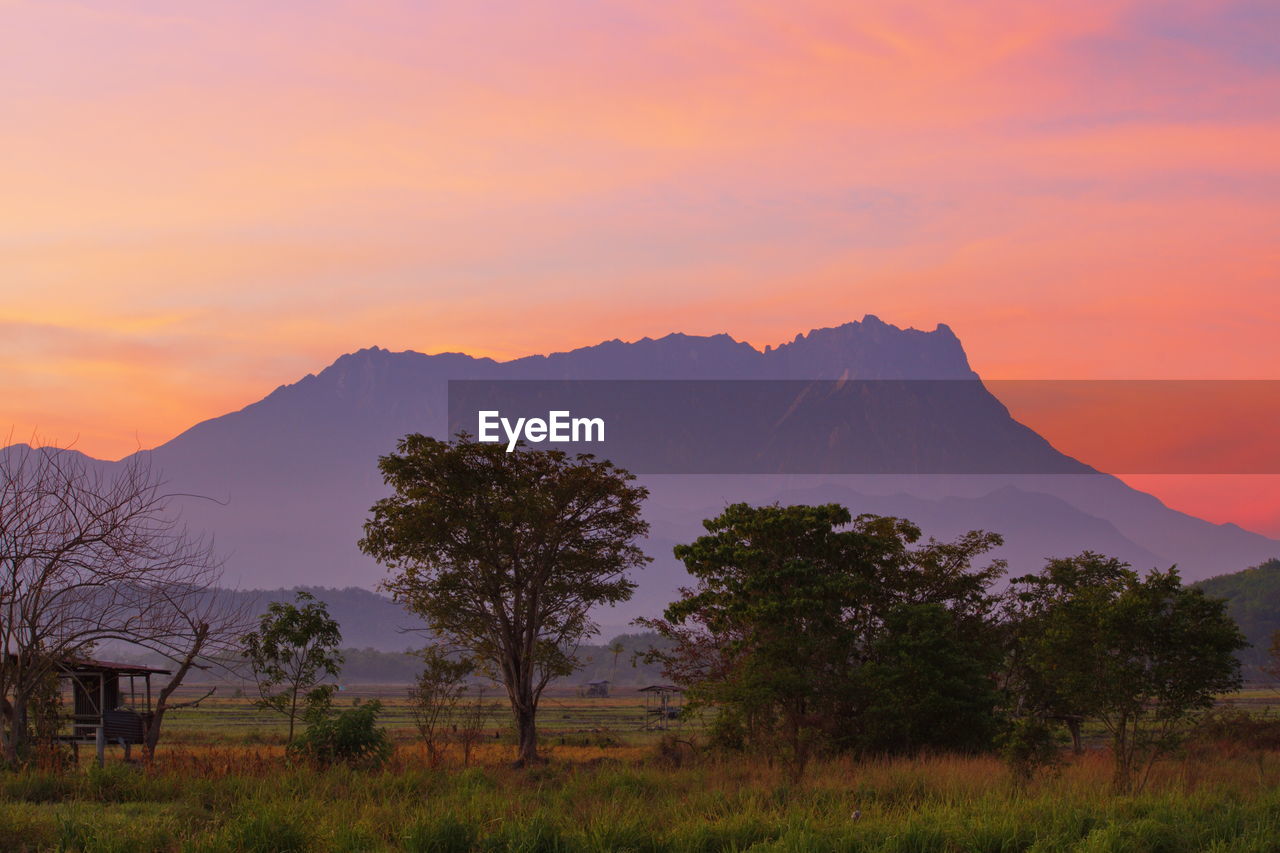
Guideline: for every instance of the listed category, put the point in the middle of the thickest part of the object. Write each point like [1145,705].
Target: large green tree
[504,554]
[792,603]
[1142,656]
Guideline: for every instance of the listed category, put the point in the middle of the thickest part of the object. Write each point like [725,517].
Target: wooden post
[102,719]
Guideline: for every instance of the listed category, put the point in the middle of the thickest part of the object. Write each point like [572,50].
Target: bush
[1028,746]
[350,736]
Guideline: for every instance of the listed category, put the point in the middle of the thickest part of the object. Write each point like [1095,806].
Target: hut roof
[91,665]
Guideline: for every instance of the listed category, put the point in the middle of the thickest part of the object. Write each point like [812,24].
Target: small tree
[504,554]
[435,695]
[295,646]
[471,727]
[616,648]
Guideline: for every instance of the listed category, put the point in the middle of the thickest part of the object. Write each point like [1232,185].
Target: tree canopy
[1139,655]
[794,617]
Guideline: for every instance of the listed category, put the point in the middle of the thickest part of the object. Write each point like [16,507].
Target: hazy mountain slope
[294,474]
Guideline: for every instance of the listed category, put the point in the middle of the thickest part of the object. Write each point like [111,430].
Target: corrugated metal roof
[91,665]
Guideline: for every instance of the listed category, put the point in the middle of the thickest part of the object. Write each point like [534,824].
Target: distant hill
[1253,600]
[367,619]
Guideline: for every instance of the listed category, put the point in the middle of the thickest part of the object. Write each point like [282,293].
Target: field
[221,782]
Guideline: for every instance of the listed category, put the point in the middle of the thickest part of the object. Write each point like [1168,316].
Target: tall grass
[211,802]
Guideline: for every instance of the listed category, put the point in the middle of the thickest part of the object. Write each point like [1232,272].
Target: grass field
[221,782]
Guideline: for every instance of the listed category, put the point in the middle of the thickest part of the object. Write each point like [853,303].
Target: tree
[207,634]
[295,646]
[790,606]
[435,694]
[471,726]
[1142,656]
[1047,611]
[615,648]
[92,553]
[928,685]
[504,554]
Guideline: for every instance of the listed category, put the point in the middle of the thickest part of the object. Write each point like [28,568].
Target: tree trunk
[1122,755]
[527,735]
[151,736]
[16,747]
[1073,726]
[10,736]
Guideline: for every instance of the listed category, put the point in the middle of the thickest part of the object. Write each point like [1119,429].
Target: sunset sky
[202,201]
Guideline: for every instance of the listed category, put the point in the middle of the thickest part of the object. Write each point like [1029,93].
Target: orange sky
[202,201]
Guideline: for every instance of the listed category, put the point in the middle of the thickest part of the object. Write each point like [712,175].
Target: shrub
[351,736]
[1028,746]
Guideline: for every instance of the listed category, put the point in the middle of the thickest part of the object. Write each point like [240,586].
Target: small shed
[662,704]
[106,709]
[597,689]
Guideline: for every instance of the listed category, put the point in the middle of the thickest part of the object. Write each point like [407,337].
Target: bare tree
[434,696]
[91,553]
[208,627]
[471,728]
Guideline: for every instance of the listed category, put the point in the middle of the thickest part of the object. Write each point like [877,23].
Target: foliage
[434,696]
[1029,745]
[350,736]
[294,647]
[928,685]
[1253,601]
[1141,656]
[790,616]
[504,554]
[1046,612]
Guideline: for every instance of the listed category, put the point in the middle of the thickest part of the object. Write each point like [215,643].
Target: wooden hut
[111,702]
[662,704]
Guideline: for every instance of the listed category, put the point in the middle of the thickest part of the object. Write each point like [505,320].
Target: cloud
[1081,189]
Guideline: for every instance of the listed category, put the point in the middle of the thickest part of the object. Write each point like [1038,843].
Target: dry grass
[610,786]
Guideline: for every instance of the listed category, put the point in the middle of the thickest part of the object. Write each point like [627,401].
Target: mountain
[294,474]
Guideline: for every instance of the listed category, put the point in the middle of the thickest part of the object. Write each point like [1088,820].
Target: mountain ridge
[297,469]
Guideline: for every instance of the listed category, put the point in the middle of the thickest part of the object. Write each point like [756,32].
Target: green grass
[940,804]
[216,786]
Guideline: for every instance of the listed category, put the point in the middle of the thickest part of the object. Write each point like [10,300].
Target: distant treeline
[373,666]
[599,663]
[1253,601]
